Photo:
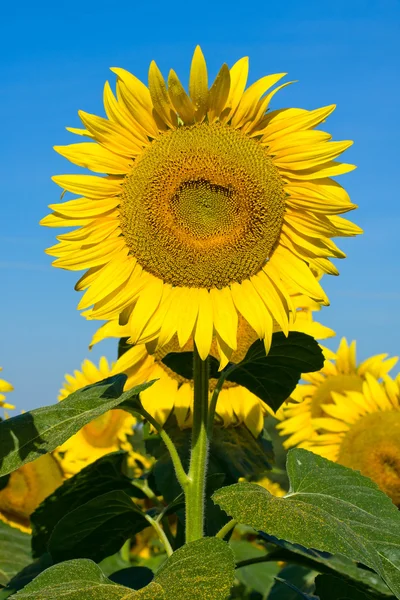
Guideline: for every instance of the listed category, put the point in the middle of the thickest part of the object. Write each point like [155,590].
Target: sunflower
[210,206]
[105,434]
[361,430]
[5,387]
[26,488]
[172,393]
[308,400]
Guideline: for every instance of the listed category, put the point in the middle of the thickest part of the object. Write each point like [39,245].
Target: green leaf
[104,475]
[81,580]
[330,508]
[271,377]
[301,580]
[28,573]
[26,437]
[329,587]
[297,592]
[323,562]
[15,552]
[200,570]
[96,529]
[258,577]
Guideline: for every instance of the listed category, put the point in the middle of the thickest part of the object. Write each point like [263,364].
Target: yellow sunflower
[309,399]
[361,430]
[5,387]
[105,434]
[172,393]
[26,488]
[210,207]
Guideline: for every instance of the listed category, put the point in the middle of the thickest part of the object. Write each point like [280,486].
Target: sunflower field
[226,453]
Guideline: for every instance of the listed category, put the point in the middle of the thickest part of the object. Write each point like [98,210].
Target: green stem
[226,529]
[214,400]
[195,489]
[180,472]
[161,534]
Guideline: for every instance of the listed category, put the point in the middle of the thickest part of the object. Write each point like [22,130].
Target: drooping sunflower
[173,393]
[210,206]
[26,488]
[361,430]
[105,434]
[309,399]
[5,387]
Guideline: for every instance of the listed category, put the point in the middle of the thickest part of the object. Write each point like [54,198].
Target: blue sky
[55,59]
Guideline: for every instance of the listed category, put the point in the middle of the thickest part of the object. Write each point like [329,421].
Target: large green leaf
[329,587]
[329,508]
[200,570]
[271,377]
[301,581]
[82,580]
[104,475]
[96,529]
[323,562]
[26,437]
[15,552]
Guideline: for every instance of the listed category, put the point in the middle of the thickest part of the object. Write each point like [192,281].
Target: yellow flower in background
[5,387]
[26,488]
[361,430]
[105,434]
[272,487]
[210,207]
[309,399]
[172,393]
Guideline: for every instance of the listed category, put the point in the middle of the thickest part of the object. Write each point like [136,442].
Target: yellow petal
[180,100]
[198,84]
[58,220]
[111,135]
[329,169]
[272,300]
[204,324]
[238,76]
[286,122]
[117,112]
[89,185]
[94,157]
[146,305]
[111,276]
[219,93]
[160,98]
[308,157]
[136,98]
[250,98]
[93,256]
[188,316]
[225,316]
[84,207]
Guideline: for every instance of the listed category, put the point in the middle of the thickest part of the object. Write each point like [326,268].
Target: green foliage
[301,581]
[323,562]
[200,570]
[104,475]
[96,529]
[298,593]
[259,577]
[15,552]
[329,587]
[26,437]
[330,508]
[271,377]
[135,578]
[28,573]
[81,580]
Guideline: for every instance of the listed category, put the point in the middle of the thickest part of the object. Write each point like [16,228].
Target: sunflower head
[26,488]
[5,387]
[108,433]
[361,430]
[210,206]
[310,399]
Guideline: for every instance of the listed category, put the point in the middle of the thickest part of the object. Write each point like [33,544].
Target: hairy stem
[161,534]
[195,489]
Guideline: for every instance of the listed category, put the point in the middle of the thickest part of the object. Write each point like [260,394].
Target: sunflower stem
[195,489]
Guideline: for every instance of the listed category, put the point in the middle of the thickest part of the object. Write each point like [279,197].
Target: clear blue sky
[55,59]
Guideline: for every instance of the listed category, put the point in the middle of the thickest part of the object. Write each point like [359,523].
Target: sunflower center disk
[372,446]
[202,207]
